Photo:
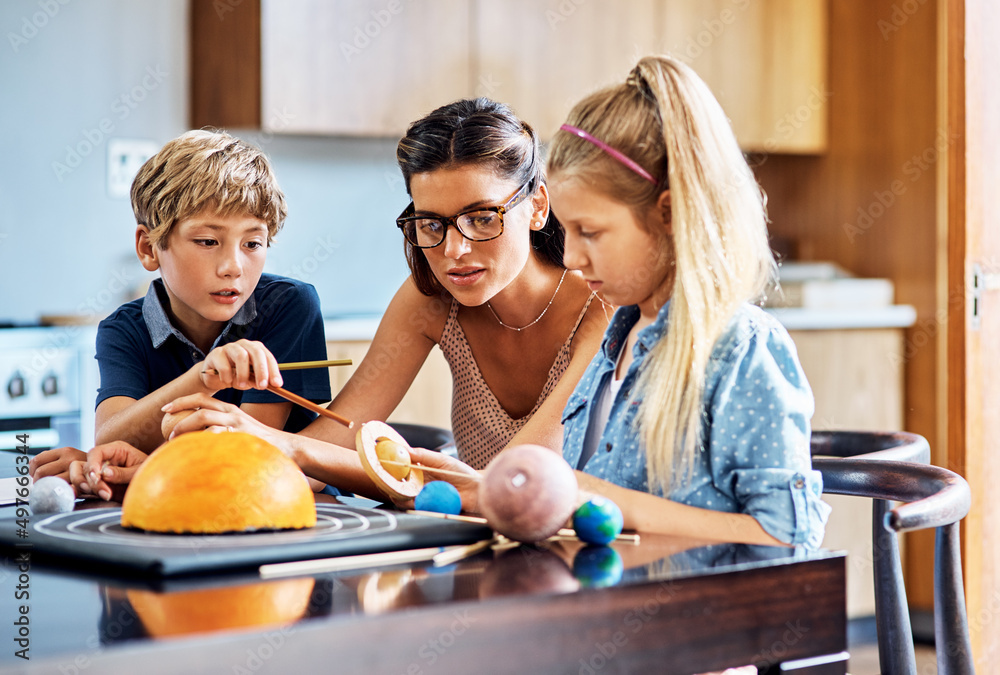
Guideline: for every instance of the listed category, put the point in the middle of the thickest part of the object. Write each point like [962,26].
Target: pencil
[428,469]
[309,405]
[302,365]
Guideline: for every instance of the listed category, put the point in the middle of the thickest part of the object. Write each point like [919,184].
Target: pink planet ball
[528,493]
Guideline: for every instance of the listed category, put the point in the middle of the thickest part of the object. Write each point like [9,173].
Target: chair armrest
[901,446]
[933,496]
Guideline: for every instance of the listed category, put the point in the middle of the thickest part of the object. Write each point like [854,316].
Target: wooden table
[676,609]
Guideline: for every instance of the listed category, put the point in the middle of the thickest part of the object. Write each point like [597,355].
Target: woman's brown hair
[475,132]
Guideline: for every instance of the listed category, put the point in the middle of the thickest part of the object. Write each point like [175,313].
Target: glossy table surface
[662,605]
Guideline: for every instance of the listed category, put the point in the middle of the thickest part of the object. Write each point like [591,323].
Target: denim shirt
[754,454]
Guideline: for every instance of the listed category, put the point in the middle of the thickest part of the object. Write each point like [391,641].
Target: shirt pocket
[574,406]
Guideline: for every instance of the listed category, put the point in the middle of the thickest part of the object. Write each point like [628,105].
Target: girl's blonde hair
[666,119]
[205,169]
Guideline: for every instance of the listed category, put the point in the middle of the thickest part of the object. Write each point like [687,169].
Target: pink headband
[627,161]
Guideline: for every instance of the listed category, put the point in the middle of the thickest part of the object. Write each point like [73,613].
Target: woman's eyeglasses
[481,224]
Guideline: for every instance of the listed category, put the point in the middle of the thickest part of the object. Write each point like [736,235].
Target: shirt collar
[160,328]
[622,322]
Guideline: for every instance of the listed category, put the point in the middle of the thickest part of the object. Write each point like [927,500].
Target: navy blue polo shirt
[139,350]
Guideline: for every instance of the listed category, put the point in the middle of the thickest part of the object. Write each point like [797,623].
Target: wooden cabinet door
[360,67]
[541,57]
[766,62]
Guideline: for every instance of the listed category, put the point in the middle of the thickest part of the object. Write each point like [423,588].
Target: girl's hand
[468,488]
[55,462]
[244,364]
[211,413]
[106,471]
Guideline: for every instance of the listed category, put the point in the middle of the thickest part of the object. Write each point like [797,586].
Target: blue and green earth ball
[598,521]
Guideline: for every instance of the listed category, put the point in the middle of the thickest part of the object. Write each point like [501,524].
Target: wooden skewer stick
[309,405]
[300,365]
[563,533]
[449,516]
[428,469]
[461,553]
[351,562]
[303,365]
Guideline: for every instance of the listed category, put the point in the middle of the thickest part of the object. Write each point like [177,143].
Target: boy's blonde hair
[205,169]
[666,119]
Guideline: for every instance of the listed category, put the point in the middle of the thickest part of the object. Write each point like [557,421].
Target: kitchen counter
[358,328]
[802,318]
[351,328]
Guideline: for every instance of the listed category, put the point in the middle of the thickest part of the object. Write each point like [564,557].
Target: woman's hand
[212,413]
[106,470]
[55,462]
[468,488]
[244,364]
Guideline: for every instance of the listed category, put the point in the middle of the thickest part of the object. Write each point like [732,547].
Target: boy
[207,207]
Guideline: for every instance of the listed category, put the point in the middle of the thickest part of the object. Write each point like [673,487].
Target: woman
[487,286]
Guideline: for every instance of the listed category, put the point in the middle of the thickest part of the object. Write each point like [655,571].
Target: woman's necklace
[539,316]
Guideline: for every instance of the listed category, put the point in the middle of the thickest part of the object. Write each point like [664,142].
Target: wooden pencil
[303,365]
[309,405]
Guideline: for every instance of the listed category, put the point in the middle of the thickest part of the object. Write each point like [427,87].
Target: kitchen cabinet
[563,51]
[360,68]
[857,380]
[369,67]
[766,62]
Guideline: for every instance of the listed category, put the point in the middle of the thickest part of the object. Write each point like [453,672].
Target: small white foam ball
[51,495]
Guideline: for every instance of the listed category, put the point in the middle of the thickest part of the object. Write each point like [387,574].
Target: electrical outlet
[125,157]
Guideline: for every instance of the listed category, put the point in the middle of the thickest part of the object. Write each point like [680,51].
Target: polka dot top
[481,426]
[756,410]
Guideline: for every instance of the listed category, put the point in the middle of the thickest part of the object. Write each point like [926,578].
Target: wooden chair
[896,467]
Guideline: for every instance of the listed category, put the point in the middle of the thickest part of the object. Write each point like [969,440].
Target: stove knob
[15,385]
[50,385]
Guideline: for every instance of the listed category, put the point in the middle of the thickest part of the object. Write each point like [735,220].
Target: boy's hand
[106,470]
[55,462]
[244,364]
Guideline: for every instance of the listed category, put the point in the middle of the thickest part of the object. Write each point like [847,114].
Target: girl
[694,415]
[487,286]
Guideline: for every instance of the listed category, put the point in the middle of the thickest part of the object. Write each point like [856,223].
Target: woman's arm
[409,329]
[645,512]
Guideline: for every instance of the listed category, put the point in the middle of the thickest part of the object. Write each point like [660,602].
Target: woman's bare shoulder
[413,312]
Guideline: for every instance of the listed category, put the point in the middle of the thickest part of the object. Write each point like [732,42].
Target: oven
[48,385]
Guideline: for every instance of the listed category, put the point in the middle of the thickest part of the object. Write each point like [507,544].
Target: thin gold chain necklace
[558,286]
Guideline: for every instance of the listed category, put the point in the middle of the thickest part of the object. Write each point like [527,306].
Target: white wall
[74,73]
